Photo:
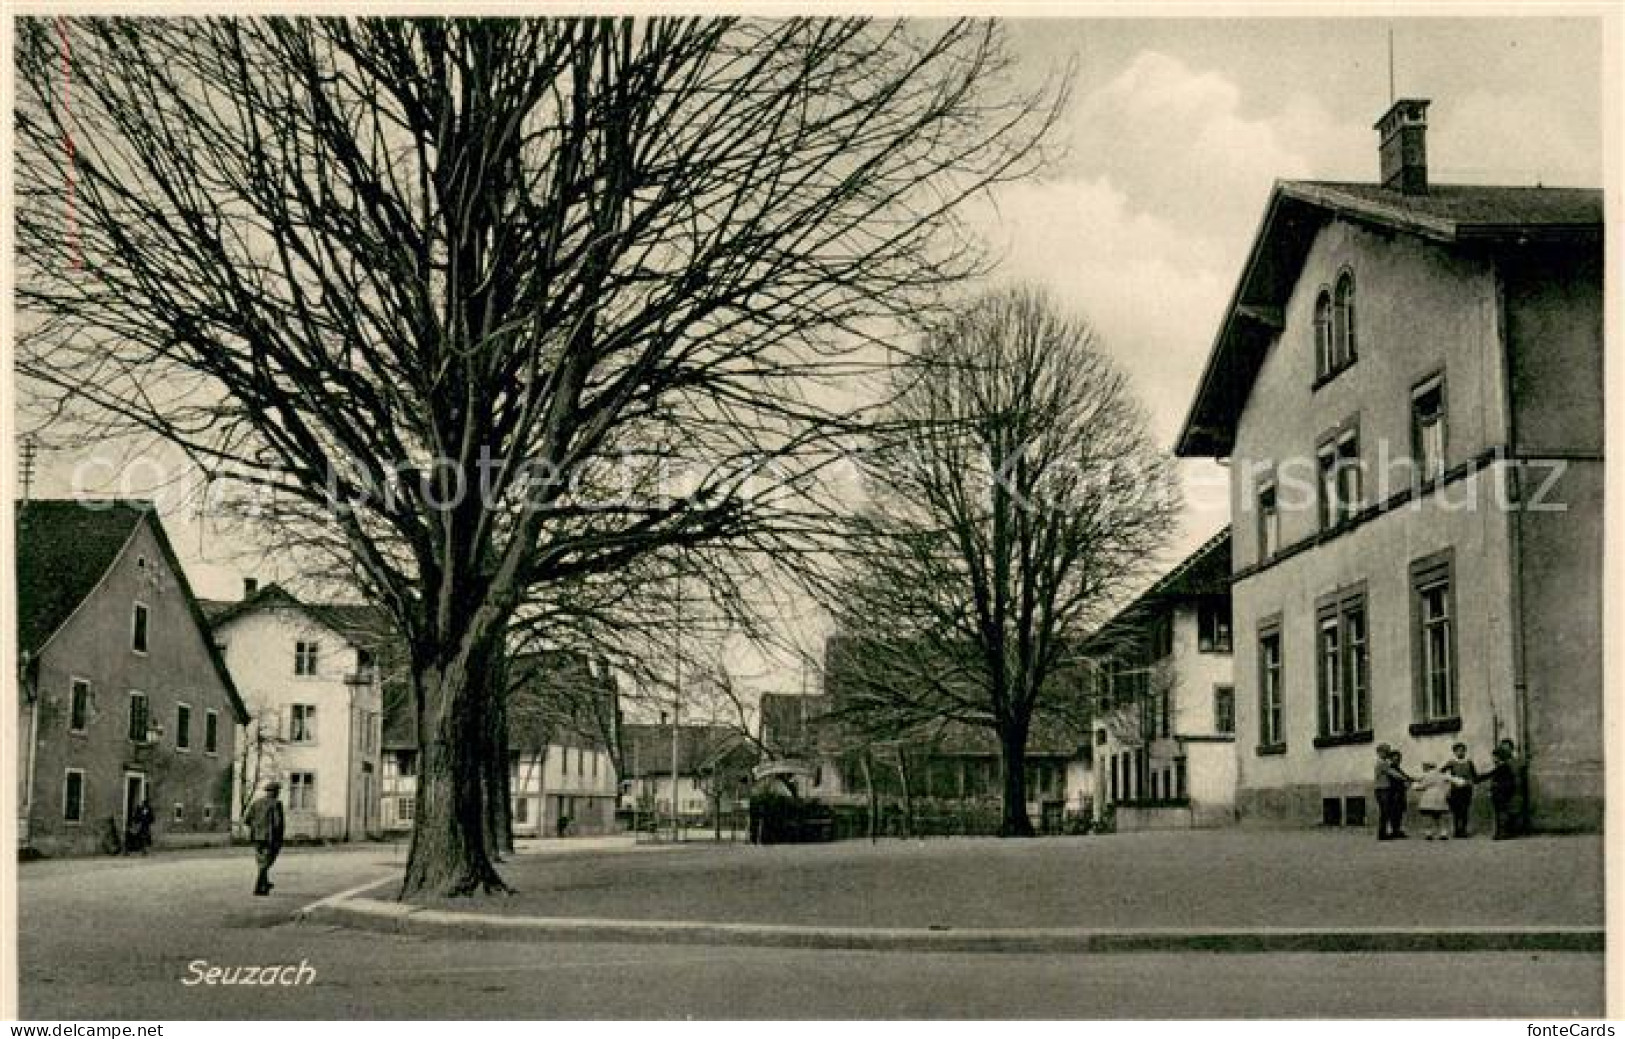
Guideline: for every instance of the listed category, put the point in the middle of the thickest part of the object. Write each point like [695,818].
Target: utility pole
[677,702]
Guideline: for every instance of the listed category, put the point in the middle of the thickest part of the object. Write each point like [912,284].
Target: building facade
[124,698]
[714,764]
[1408,389]
[1165,720]
[309,675]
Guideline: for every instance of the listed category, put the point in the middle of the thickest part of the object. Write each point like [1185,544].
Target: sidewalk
[1229,889]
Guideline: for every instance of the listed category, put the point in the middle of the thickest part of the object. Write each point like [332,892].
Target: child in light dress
[1433,799]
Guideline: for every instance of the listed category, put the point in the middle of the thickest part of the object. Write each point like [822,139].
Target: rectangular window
[1271,728]
[1213,625]
[1349,489]
[138,717]
[73,795]
[1344,667]
[302,723]
[1428,429]
[211,732]
[1224,709]
[595,764]
[408,808]
[304,657]
[1269,523]
[79,705]
[1162,637]
[180,813]
[1326,471]
[208,813]
[183,726]
[138,628]
[521,809]
[301,791]
[1433,610]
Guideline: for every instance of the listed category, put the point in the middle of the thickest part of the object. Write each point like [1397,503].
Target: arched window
[1323,334]
[1343,320]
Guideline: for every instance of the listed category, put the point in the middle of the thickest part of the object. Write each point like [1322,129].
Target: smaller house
[1165,722]
[713,771]
[124,697]
[309,673]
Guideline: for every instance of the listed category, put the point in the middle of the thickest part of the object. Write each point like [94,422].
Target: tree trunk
[869,788]
[449,850]
[908,797]
[1013,751]
[498,793]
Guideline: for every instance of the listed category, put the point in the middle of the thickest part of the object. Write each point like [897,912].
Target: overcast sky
[1176,131]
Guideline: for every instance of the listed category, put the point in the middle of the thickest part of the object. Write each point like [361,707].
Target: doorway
[135,791]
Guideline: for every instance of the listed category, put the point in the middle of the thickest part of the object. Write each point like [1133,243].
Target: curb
[397,918]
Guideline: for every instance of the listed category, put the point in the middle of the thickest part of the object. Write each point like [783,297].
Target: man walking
[265,827]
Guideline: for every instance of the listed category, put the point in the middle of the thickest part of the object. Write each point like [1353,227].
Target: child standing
[1434,800]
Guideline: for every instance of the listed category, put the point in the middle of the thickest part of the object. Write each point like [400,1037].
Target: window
[1269,522]
[1162,637]
[1343,668]
[301,791]
[1343,338]
[1324,365]
[521,809]
[208,813]
[138,628]
[304,657]
[1427,429]
[1224,709]
[1271,730]
[302,723]
[79,705]
[406,808]
[1213,625]
[211,732]
[1433,608]
[138,717]
[594,756]
[179,815]
[73,795]
[183,726]
[1337,462]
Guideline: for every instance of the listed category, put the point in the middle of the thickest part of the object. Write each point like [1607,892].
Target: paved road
[113,939]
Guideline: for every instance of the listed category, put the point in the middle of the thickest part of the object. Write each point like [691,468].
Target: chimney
[250,586]
[1404,153]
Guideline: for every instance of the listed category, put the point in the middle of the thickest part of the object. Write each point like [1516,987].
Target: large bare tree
[1013,497]
[438,287]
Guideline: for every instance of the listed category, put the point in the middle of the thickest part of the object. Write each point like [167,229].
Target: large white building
[308,675]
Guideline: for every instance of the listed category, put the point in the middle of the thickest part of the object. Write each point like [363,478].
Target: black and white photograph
[922,513]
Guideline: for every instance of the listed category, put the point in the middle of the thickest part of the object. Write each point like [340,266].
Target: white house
[1165,721]
[308,674]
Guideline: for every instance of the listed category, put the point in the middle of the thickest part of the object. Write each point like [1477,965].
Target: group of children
[1444,794]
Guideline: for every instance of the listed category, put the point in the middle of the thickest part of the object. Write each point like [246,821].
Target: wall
[1554,336]
[1419,310]
[259,650]
[95,644]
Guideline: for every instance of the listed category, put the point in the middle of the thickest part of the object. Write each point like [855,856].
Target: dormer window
[1334,328]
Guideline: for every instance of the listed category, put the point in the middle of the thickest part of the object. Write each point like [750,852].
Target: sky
[1176,130]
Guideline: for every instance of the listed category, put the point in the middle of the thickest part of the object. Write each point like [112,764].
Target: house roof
[64,549]
[1452,214]
[646,749]
[1205,571]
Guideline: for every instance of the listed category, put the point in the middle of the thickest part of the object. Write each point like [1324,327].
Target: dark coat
[266,821]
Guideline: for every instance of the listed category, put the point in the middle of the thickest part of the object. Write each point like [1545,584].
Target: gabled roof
[360,624]
[1452,214]
[1205,571]
[64,549]
[646,749]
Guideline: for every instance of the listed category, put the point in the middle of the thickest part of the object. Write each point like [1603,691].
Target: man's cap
[273,785]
